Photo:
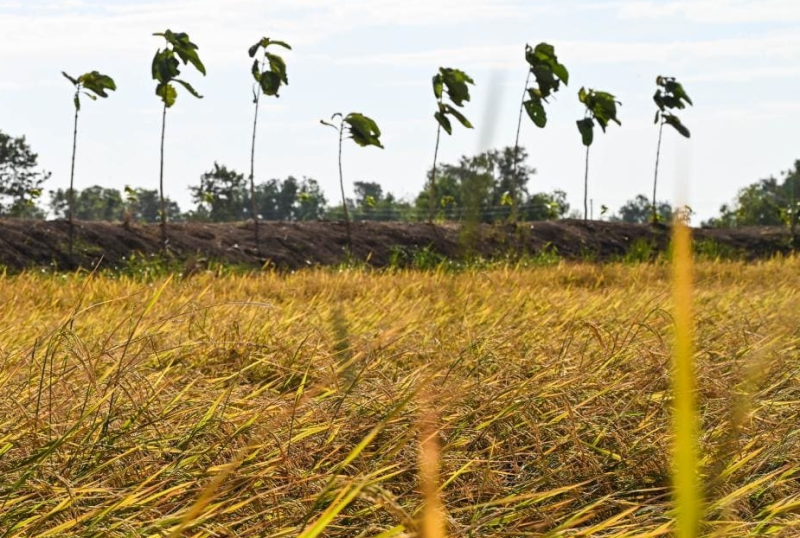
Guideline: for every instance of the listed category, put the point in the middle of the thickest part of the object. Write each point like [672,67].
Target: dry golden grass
[286,405]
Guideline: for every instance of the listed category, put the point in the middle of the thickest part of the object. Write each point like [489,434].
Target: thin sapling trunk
[655,178]
[432,202]
[516,150]
[586,187]
[72,183]
[253,205]
[341,187]
[161,182]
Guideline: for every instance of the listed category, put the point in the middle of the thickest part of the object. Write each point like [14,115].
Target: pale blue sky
[739,60]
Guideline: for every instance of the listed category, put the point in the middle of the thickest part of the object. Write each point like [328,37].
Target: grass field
[286,405]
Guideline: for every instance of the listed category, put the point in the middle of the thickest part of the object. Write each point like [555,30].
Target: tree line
[475,187]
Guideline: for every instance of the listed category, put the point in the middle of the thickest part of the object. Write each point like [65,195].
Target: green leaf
[673,120]
[544,65]
[363,130]
[167,92]
[165,66]
[283,44]
[658,116]
[277,66]
[438,85]
[602,106]
[535,109]
[74,81]
[329,124]
[270,83]
[456,82]
[545,80]
[457,115]
[444,122]
[184,48]
[658,98]
[97,83]
[586,128]
[266,42]
[673,95]
[190,55]
[77,101]
[561,72]
[188,88]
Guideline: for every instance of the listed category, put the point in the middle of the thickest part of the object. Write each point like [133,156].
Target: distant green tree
[484,180]
[92,203]
[371,203]
[20,179]
[145,206]
[220,195]
[545,206]
[310,201]
[768,202]
[465,191]
[165,70]
[639,210]
[289,199]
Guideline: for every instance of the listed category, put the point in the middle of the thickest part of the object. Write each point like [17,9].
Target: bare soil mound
[292,245]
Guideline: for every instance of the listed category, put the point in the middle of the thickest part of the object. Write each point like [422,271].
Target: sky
[739,60]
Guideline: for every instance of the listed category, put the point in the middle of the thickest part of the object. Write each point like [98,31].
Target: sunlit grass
[518,402]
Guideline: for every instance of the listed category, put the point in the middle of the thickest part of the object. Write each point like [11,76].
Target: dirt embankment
[292,245]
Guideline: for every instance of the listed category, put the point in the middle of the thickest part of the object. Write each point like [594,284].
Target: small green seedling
[454,83]
[270,74]
[92,85]
[165,70]
[549,74]
[363,131]
[670,95]
[601,107]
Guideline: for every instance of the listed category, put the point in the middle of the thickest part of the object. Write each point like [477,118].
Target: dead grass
[291,405]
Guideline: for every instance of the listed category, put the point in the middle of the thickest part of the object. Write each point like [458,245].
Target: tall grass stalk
[685,415]
[432,522]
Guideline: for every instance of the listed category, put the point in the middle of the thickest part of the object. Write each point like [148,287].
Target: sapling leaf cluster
[362,130]
[165,71]
[92,85]
[454,84]
[601,108]
[269,73]
[669,96]
[549,74]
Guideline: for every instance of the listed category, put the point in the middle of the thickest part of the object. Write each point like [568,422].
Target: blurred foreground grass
[121,400]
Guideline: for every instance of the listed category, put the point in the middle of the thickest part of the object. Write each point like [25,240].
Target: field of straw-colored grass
[286,405]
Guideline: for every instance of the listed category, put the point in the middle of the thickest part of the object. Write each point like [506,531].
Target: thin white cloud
[714,11]
[744,75]
[80,25]
[774,46]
